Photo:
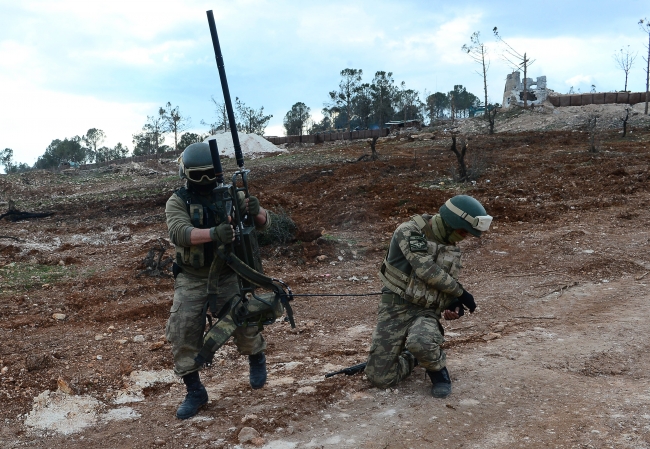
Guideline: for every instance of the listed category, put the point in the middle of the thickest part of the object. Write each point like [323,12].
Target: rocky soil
[554,356]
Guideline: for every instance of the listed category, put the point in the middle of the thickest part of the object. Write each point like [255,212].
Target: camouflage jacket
[420,268]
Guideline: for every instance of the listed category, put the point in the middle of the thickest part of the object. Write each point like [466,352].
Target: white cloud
[39,116]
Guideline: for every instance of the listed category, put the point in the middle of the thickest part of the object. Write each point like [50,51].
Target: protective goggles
[480,223]
[199,174]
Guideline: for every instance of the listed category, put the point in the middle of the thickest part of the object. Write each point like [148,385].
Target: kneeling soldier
[420,277]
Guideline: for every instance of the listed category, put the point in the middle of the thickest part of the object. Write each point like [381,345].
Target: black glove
[222,233]
[253,206]
[467,300]
[457,305]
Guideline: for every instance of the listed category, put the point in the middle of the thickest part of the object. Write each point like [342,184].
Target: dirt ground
[556,354]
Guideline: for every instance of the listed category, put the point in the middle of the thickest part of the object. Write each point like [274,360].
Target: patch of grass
[24,276]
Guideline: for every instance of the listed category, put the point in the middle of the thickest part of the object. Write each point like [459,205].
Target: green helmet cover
[195,164]
[465,206]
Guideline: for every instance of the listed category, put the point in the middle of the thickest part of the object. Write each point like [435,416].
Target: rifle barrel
[226,93]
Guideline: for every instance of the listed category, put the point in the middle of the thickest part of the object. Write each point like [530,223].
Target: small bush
[281,230]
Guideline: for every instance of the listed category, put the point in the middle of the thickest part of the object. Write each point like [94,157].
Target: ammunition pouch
[251,310]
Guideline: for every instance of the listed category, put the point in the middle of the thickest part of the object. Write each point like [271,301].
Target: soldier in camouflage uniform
[420,277]
[196,232]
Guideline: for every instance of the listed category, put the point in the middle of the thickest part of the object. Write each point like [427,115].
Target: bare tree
[625,119]
[644,24]
[517,60]
[478,53]
[624,60]
[460,156]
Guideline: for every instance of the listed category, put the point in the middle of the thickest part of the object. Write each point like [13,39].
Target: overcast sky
[68,65]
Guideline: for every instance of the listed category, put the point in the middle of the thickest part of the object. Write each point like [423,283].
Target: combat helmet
[465,212]
[195,164]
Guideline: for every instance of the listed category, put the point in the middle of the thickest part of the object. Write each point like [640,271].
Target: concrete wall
[329,137]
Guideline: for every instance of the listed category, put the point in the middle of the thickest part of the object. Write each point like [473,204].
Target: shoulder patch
[417,243]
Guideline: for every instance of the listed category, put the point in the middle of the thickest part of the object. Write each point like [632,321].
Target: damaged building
[513,93]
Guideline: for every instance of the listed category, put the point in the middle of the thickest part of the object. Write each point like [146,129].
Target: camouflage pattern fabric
[411,322]
[420,253]
[403,327]
[186,324]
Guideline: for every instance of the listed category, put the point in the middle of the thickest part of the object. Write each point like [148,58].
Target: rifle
[242,256]
[349,371]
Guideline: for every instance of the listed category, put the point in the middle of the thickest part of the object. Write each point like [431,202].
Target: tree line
[356,104]
[167,122]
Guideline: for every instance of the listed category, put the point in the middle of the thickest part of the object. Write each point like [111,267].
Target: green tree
[149,140]
[6,159]
[188,139]
[66,150]
[105,154]
[251,121]
[344,98]
[436,105]
[92,139]
[407,103]
[461,100]
[382,93]
[173,121]
[296,119]
[363,105]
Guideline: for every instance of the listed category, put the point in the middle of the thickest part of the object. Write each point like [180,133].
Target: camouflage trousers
[186,324]
[403,327]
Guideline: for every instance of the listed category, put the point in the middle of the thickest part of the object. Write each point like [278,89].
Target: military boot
[257,365]
[196,396]
[441,383]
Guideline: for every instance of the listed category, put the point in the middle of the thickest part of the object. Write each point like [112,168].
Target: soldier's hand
[454,311]
[450,314]
[467,300]
[223,233]
[253,206]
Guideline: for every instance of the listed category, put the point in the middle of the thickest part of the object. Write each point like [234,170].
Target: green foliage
[461,100]
[251,121]
[148,141]
[104,154]
[296,119]
[382,93]
[344,98]
[188,139]
[281,230]
[93,138]
[173,121]
[408,103]
[436,105]
[62,151]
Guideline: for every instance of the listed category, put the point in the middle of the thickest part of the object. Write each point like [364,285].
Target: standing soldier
[195,230]
[420,277]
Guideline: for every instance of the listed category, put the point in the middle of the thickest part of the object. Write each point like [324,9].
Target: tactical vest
[204,214]
[414,289]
